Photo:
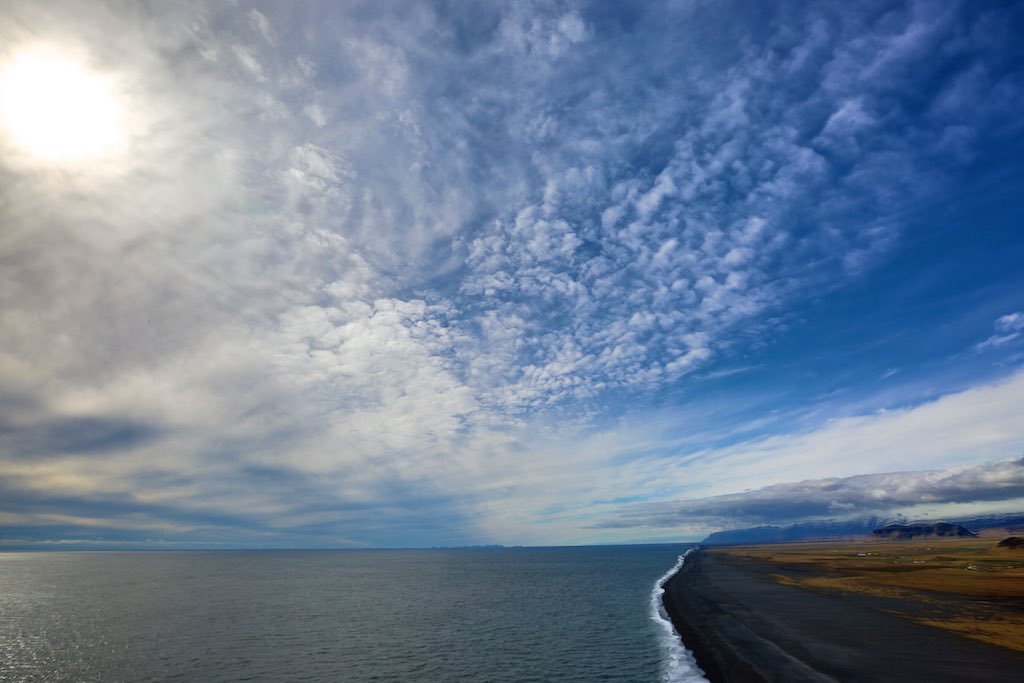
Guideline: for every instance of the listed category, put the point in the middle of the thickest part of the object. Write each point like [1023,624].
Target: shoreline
[741,624]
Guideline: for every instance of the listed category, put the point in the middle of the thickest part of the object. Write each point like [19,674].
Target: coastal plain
[931,609]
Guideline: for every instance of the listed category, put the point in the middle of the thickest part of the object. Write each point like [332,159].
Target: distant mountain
[829,530]
[760,534]
[809,531]
[1013,522]
[906,531]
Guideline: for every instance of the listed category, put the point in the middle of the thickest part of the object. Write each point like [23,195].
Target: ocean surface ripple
[503,615]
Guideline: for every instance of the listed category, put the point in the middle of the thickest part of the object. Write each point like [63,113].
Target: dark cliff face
[809,531]
[922,530]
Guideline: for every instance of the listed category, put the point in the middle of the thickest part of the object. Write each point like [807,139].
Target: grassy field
[968,586]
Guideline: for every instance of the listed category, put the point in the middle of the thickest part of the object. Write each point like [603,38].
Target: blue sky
[379,274]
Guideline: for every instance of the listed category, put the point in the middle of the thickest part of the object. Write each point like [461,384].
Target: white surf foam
[680,666]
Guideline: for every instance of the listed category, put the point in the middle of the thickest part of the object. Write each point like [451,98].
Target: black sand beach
[744,626]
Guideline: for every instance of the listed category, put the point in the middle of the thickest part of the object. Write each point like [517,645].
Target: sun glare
[57,110]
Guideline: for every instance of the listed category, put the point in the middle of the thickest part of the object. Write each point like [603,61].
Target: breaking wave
[680,667]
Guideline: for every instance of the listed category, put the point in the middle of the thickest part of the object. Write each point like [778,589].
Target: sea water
[516,614]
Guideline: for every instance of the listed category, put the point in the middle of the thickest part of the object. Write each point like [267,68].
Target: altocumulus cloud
[382,273]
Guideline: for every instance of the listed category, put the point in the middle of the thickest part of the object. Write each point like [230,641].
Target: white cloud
[316,114]
[261,24]
[247,59]
[531,29]
[1008,328]
[1011,322]
[851,118]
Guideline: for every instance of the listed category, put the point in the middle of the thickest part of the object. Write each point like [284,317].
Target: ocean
[511,614]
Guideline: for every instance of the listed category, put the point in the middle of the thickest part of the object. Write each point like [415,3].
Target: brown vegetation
[970,586]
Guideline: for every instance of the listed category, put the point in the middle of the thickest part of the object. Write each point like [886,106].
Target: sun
[57,110]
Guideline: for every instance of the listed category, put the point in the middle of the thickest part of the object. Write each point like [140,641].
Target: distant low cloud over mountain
[997,486]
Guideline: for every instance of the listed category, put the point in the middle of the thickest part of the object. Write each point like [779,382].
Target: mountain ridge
[859,528]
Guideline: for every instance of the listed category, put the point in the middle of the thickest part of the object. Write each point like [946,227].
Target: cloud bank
[991,487]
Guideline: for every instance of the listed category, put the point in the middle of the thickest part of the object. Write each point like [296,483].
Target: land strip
[936,610]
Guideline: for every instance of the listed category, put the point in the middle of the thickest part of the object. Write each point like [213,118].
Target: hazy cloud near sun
[415,266]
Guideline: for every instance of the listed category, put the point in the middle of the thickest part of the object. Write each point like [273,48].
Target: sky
[379,274]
